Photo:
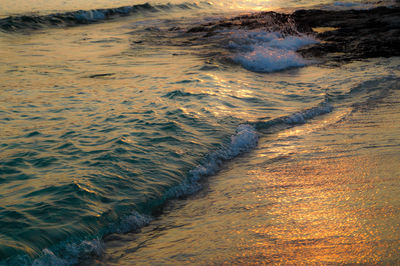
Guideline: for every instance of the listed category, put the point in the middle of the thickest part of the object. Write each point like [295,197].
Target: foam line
[81,17]
[268,51]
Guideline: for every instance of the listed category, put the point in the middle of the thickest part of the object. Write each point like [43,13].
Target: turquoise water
[104,123]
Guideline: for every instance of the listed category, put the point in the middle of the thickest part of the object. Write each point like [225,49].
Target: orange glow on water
[339,206]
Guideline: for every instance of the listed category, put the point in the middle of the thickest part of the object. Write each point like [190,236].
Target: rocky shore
[354,34]
[343,35]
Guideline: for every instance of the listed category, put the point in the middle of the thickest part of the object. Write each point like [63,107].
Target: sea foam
[268,51]
[71,253]
[245,139]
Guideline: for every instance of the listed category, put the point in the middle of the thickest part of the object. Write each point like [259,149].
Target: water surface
[105,122]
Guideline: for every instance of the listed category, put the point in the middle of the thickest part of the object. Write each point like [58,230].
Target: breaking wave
[82,17]
[269,51]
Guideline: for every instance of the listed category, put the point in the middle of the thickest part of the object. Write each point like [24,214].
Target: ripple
[180,94]
[44,161]
[33,134]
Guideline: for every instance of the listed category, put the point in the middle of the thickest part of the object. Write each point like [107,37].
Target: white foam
[91,15]
[133,222]
[70,254]
[269,60]
[49,258]
[302,117]
[244,140]
[268,52]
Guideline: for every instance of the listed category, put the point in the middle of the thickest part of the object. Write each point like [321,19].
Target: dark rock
[349,35]
[357,34]
[268,21]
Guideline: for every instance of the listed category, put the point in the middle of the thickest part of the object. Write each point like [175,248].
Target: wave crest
[82,17]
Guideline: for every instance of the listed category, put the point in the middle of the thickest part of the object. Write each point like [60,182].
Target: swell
[83,17]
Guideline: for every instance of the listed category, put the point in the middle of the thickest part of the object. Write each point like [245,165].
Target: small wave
[367,93]
[73,252]
[269,51]
[296,118]
[133,222]
[244,140]
[82,17]
[302,117]
[70,253]
[180,94]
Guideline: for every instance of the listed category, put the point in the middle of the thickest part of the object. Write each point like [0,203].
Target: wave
[82,17]
[72,252]
[262,42]
[245,139]
[297,118]
[261,51]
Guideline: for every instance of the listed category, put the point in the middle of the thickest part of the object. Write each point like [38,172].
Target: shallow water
[102,124]
[325,192]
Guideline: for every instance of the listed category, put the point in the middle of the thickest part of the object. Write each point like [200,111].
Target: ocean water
[125,138]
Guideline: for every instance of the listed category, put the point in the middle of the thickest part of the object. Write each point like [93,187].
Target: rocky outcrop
[268,21]
[353,34]
[343,35]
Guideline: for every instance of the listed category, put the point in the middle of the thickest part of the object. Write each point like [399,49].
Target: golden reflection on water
[316,198]
[315,223]
[334,208]
[320,215]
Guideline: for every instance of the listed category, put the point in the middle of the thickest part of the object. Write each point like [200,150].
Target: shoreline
[316,197]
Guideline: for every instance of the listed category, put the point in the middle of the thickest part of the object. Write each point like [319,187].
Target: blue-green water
[103,123]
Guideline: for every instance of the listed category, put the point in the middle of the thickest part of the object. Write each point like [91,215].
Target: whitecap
[269,51]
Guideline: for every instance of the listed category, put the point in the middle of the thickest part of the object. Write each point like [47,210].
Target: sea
[127,139]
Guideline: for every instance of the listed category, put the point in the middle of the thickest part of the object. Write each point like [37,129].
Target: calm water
[103,123]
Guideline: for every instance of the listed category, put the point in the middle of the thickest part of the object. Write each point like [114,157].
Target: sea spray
[244,140]
[268,51]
